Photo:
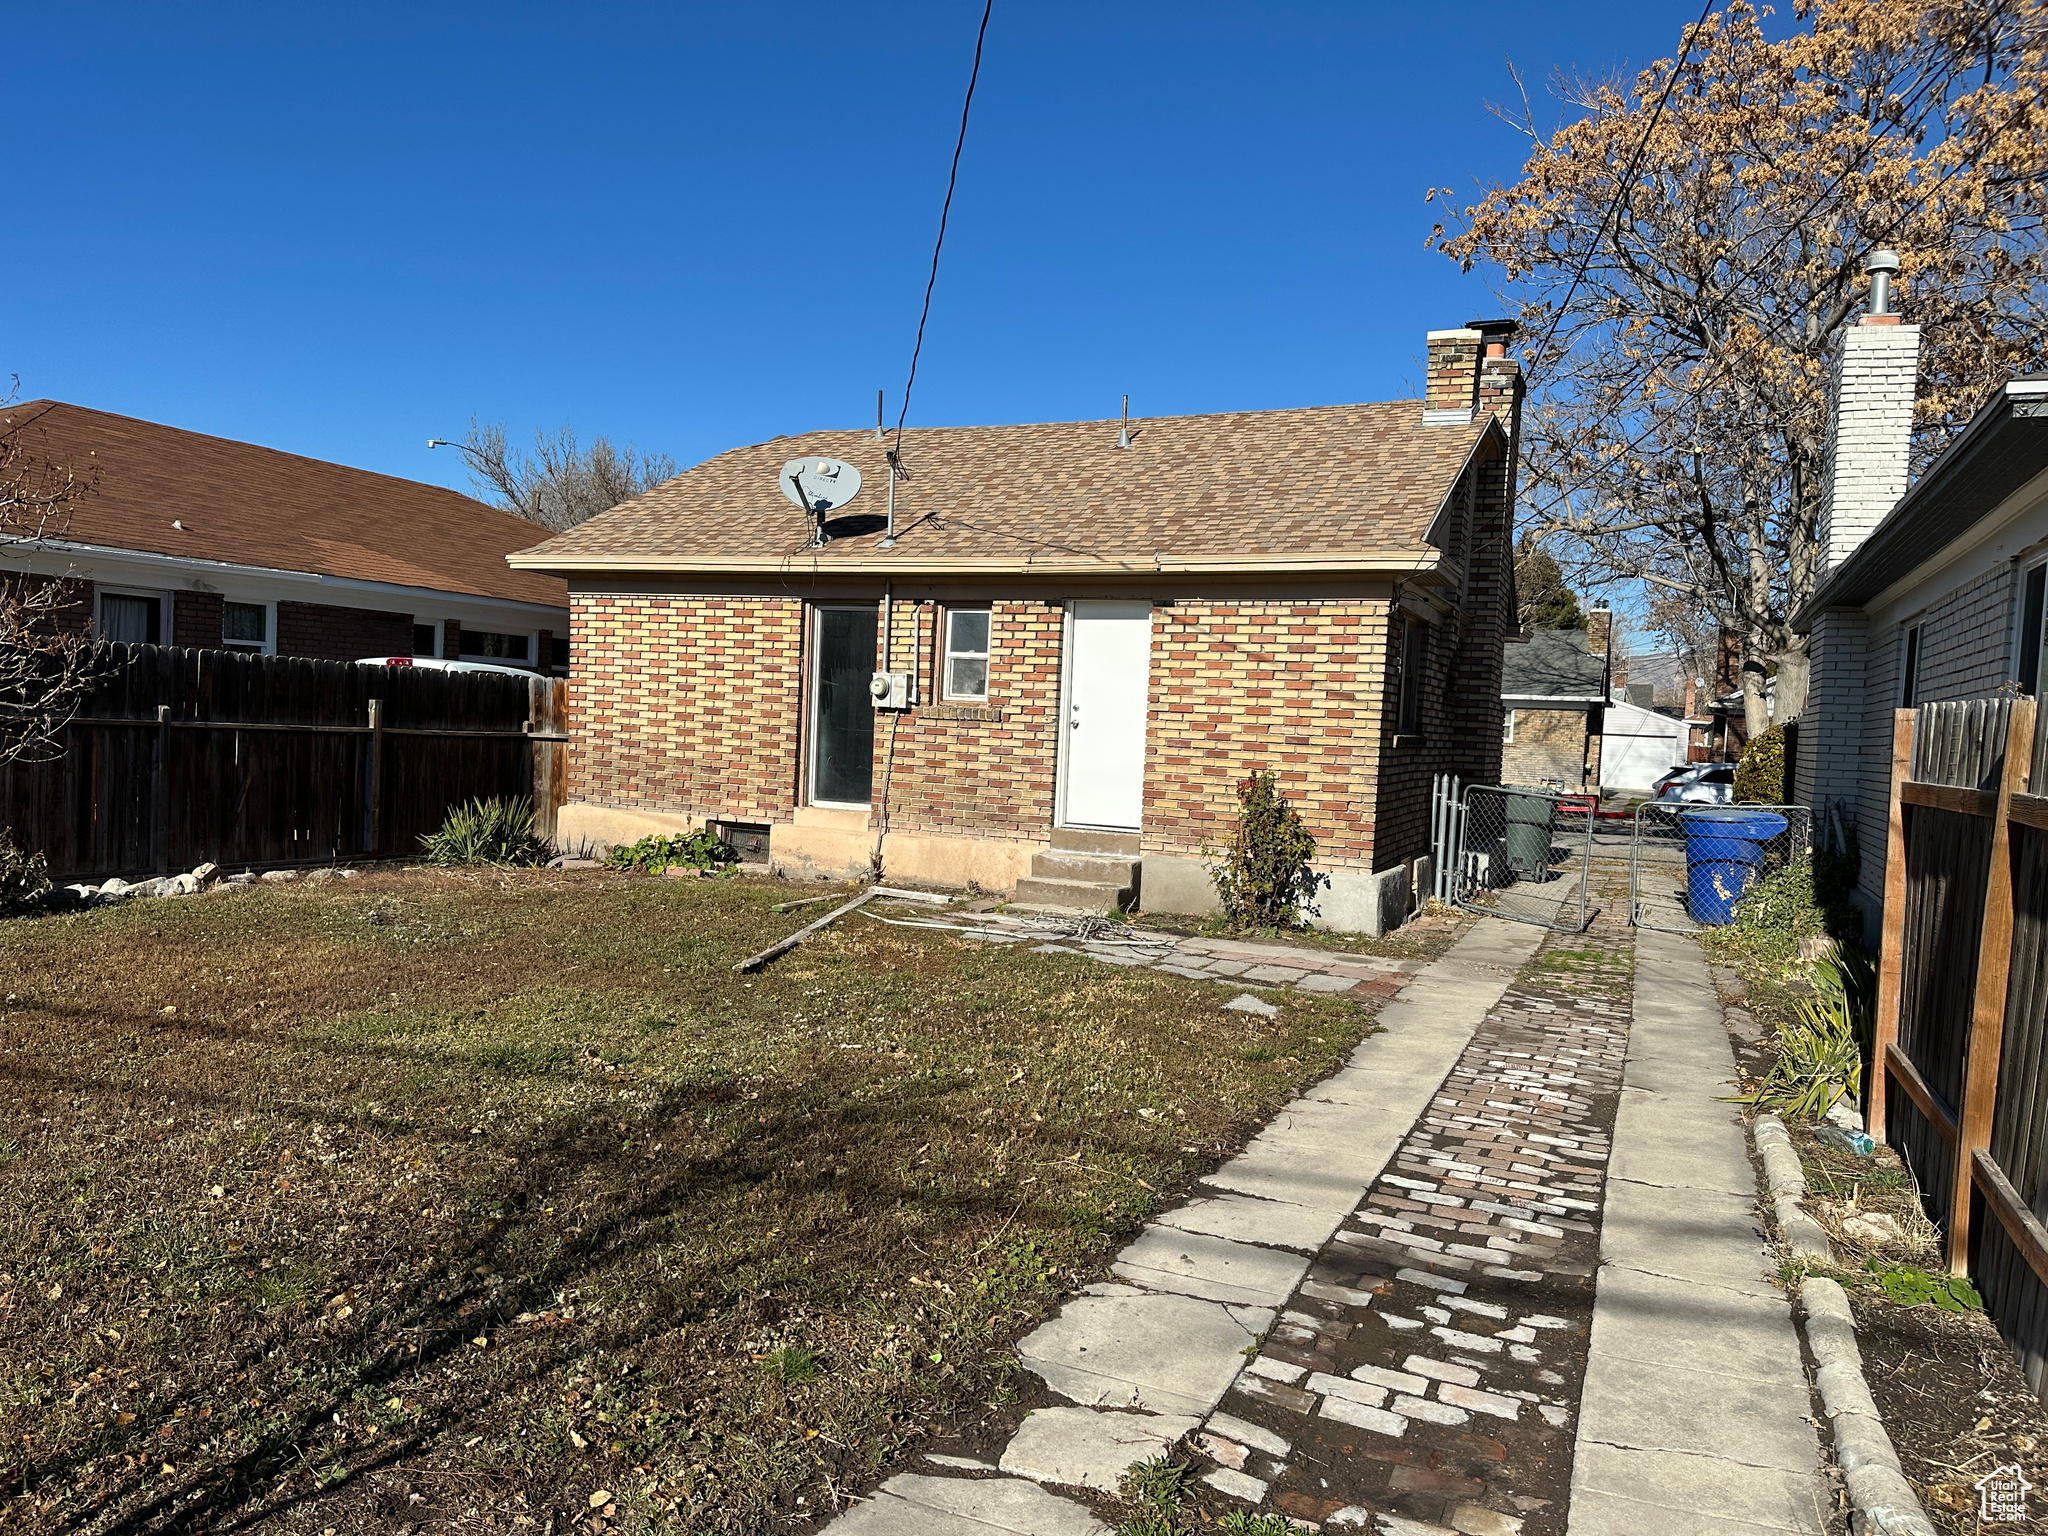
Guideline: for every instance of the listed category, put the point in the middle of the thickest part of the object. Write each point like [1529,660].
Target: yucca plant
[1819,1063]
[493,831]
[1850,974]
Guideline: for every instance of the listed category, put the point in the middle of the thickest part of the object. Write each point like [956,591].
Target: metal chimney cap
[1881,261]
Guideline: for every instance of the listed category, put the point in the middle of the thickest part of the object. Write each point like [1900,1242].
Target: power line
[938,245]
[1627,181]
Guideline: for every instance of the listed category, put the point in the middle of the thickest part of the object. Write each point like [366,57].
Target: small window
[245,627]
[423,636]
[481,642]
[126,620]
[967,653]
[1507,730]
[2031,598]
[1909,673]
[1414,662]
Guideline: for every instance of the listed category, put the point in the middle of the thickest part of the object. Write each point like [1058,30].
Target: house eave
[816,562]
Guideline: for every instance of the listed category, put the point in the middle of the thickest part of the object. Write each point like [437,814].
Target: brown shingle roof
[256,506]
[1330,483]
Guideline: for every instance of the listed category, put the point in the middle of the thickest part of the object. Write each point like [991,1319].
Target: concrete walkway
[1696,1416]
[1143,1360]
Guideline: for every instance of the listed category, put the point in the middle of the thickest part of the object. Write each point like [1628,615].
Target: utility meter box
[891,690]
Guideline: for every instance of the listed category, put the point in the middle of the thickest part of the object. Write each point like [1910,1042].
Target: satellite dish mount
[821,487]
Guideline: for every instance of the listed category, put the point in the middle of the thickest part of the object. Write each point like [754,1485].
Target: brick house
[183,539]
[1554,687]
[1095,638]
[1935,592]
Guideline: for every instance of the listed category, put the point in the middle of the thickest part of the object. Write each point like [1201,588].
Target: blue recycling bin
[1724,857]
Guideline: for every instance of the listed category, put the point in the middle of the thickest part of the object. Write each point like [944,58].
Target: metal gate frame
[1794,841]
[1473,881]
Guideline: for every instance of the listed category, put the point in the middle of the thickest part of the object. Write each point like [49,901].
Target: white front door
[1108,693]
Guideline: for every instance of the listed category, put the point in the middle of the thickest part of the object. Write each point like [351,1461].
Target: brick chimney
[1872,429]
[1470,372]
[1599,631]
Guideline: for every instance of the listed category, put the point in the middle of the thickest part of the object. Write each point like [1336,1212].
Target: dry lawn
[436,1201]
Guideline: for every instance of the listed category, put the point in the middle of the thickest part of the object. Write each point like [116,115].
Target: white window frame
[269,645]
[528,661]
[2019,628]
[1507,735]
[440,629]
[947,653]
[162,599]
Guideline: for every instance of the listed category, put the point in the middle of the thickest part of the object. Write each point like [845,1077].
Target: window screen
[1414,662]
[967,653]
[244,626]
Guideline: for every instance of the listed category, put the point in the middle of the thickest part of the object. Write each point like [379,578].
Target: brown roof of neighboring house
[246,505]
[1324,486]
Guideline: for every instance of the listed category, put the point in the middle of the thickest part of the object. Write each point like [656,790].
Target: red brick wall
[339,634]
[73,617]
[955,773]
[196,620]
[1296,687]
[451,641]
[687,703]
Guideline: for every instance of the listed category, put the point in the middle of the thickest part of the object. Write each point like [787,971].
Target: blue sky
[340,230]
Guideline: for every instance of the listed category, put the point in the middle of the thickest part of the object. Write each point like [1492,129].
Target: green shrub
[1773,916]
[1263,880]
[1760,776]
[653,855]
[1906,1286]
[494,831]
[24,877]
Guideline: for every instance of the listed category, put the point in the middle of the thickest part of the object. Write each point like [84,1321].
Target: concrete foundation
[1354,900]
[581,826]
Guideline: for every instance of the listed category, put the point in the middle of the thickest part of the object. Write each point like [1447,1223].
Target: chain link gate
[1522,854]
[1690,864]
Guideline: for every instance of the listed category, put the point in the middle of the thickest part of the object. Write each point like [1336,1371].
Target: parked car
[1698,784]
[436,664]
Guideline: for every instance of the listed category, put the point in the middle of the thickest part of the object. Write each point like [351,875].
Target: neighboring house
[1638,745]
[189,540]
[1093,644]
[1553,695]
[1936,593]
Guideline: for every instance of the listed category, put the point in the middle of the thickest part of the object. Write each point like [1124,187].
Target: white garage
[1637,747]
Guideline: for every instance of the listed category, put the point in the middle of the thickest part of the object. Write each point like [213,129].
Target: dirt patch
[452,1201]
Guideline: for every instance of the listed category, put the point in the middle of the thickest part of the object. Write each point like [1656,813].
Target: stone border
[1786,1181]
[1882,1501]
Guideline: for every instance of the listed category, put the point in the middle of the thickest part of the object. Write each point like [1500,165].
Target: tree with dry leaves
[49,661]
[562,483]
[1686,248]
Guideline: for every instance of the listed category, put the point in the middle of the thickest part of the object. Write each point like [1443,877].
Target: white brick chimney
[1872,427]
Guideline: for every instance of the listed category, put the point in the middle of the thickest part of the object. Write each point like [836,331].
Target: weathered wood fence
[184,757]
[1961,1079]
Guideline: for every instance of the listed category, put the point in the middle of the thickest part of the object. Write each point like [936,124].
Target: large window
[493,647]
[128,619]
[245,627]
[1909,672]
[842,708]
[967,654]
[1414,662]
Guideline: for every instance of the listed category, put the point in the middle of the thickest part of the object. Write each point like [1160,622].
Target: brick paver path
[1426,1372]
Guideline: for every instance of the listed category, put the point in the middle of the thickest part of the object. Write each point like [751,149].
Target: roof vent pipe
[1881,265]
[1123,438]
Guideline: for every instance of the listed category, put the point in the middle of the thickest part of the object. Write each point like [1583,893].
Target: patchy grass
[498,1200]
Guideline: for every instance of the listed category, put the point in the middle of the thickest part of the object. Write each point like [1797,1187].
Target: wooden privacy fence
[186,757]
[1961,1079]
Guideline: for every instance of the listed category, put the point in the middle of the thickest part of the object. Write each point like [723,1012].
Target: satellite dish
[820,486]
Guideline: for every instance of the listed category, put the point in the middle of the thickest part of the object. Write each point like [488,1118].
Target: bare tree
[562,484]
[1686,250]
[49,660]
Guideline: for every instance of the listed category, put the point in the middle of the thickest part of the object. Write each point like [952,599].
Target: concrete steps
[1083,871]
